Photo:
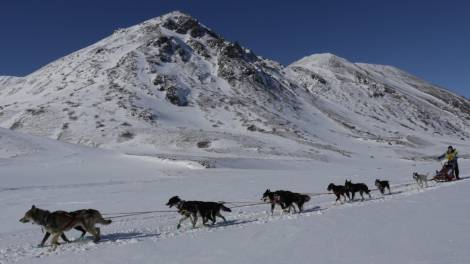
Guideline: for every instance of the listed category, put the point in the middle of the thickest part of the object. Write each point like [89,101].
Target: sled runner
[446,174]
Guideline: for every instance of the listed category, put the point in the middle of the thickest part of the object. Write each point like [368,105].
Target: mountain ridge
[173,77]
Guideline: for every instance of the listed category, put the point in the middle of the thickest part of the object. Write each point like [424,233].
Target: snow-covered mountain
[171,84]
[380,101]
[178,98]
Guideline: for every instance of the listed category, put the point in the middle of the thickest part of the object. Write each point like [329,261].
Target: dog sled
[446,174]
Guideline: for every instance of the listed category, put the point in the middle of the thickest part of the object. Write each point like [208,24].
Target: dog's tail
[101,219]
[106,221]
[225,208]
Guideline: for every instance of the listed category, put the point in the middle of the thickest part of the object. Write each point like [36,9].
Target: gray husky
[56,223]
[421,179]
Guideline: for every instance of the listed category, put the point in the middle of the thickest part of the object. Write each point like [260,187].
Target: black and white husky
[286,199]
[421,179]
[193,209]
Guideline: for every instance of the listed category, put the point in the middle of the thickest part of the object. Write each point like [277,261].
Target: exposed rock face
[184,24]
[172,83]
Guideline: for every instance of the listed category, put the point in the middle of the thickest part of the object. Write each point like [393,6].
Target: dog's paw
[178,226]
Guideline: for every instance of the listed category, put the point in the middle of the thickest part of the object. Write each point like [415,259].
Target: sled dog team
[85,220]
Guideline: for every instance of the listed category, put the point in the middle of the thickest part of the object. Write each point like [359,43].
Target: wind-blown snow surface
[409,226]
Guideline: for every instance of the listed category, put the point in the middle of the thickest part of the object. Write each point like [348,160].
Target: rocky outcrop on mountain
[172,84]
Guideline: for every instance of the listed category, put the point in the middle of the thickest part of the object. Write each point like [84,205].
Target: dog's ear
[33,207]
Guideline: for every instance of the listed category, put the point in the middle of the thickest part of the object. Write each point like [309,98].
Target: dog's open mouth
[24,220]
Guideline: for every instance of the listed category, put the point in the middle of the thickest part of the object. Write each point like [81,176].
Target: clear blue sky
[428,38]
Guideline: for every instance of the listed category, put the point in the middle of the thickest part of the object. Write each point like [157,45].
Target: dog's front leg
[46,236]
[272,208]
[64,237]
[293,208]
[181,220]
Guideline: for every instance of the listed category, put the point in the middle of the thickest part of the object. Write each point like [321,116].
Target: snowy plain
[176,109]
[409,226]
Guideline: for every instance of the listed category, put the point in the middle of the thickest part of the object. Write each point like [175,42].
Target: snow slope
[409,226]
[168,83]
[171,85]
[168,98]
[378,101]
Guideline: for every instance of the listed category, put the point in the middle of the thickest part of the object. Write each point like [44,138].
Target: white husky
[421,179]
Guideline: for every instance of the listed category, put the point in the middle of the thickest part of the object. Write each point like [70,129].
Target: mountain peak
[175,13]
[323,59]
[183,23]
[173,77]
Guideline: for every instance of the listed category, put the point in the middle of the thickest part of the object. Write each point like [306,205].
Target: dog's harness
[181,210]
[276,198]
